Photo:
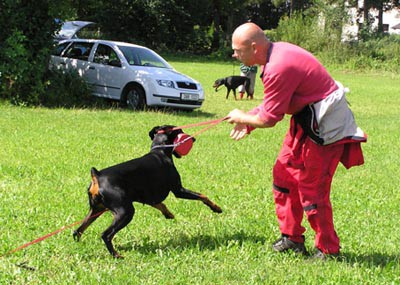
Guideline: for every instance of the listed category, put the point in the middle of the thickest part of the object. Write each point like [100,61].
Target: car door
[106,72]
[76,57]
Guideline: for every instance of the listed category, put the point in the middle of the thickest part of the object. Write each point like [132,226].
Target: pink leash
[211,124]
[48,235]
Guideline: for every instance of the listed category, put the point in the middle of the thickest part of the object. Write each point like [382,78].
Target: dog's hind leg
[93,214]
[96,207]
[122,216]
[164,210]
[183,193]
[234,93]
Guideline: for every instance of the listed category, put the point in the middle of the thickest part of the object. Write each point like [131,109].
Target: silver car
[132,74]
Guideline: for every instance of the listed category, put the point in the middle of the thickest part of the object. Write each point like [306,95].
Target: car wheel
[134,98]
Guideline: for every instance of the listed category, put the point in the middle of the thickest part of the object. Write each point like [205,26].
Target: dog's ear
[167,129]
[153,132]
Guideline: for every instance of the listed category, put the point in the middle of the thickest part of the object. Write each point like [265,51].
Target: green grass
[46,154]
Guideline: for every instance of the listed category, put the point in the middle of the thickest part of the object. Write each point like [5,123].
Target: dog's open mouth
[217,84]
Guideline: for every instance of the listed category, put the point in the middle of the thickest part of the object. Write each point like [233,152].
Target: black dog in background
[231,83]
[147,180]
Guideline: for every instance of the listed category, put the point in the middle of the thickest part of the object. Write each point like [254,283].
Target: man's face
[242,52]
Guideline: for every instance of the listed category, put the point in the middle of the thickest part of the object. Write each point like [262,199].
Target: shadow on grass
[373,259]
[181,112]
[95,103]
[148,245]
[184,242]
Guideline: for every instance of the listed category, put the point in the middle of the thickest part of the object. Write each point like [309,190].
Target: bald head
[250,44]
[248,33]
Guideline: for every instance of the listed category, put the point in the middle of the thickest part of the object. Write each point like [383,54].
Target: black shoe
[319,255]
[284,244]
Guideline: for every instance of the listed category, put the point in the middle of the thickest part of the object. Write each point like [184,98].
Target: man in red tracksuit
[322,133]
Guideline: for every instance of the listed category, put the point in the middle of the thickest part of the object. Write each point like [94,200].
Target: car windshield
[143,57]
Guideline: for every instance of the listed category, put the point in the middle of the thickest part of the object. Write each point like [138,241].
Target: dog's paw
[76,235]
[116,255]
[169,216]
[216,209]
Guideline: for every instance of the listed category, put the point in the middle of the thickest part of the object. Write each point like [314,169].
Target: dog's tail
[94,186]
[94,172]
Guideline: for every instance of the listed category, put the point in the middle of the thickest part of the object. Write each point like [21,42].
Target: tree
[383,6]
[201,26]
[364,8]
[228,14]
[25,48]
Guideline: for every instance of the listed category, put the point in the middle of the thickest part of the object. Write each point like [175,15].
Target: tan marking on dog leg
[214,207]
[164,210]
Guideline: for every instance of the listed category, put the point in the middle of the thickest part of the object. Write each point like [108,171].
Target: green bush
[297,30]
[12,66]
[65,89]
[379,53]
[25,49]
[308,32]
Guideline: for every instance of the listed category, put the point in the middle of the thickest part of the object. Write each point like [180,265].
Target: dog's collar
[163,146]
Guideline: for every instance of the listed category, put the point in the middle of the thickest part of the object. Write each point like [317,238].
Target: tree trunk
[296,5]
[380,17]
[366,7]
[217,22]
[229,29]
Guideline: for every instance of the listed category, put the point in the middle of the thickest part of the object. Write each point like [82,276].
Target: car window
[59,48]
[79,50]
[143,57]
[106,55]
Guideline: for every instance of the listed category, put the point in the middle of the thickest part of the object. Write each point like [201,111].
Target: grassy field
[46,154]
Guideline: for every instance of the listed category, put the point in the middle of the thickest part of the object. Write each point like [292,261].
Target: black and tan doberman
[231,83]
[147,180]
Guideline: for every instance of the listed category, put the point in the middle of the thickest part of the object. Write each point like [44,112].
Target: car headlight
[166,83]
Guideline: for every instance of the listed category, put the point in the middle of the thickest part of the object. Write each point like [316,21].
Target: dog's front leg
[227,93]
[183,193]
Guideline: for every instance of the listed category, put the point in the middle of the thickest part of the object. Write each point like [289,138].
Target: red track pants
[302,181]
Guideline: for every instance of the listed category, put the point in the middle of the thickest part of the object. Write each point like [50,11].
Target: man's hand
[239,132]
[243,121]
[236,116]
